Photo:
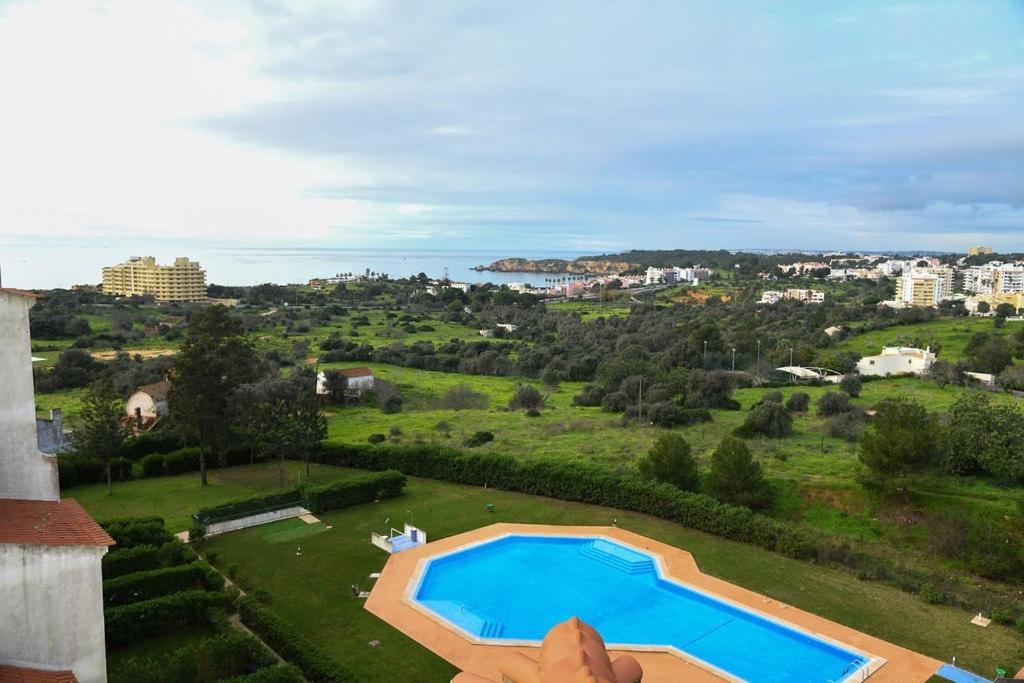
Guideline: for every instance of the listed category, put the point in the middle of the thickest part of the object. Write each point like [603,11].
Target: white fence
[254,520]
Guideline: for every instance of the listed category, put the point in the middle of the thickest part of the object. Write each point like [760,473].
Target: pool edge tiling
[392,600]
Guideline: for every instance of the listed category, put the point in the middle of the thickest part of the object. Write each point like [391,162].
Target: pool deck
[389,601]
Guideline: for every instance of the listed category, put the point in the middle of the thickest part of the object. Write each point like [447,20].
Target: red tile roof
[20,292]
[157,391]
[49,522]
[17,674]
[357,372]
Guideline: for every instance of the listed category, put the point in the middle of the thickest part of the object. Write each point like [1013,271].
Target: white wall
[891,365]
[52,609]
[25,472]
[141,399]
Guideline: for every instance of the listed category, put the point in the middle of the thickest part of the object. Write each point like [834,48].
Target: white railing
[254,520]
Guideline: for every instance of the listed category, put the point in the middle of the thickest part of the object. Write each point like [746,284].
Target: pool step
[618,557]
[491,629]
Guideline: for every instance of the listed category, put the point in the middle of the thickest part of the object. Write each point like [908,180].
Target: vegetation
[670,460]
[735,476]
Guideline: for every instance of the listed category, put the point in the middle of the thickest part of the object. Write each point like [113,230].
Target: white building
[812,296]
[51,583]
[771,297]
[897,360]
[148,403]
[357,381]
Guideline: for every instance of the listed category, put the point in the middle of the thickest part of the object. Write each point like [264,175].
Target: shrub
[591,395]
[128,623]
[359,489]
[376,438]
[769,397]
[930,594]
[280,635]
[664,414]
[692,416]
[526,397]
[137,447]
[246,506]
[769,418]
[143,557]
[833,403]
[210,660]
[462,397]
[736,477]
[848,425]
[75,470]
[532,412]
[614,402]
[132,531]
[798,402]
[394,430]
[181,461]
[479,439]
[154,583]
[391,405]
[851,385]
[153,465]
[671,461]
[901,438]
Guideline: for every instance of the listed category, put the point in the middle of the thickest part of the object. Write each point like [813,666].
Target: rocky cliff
[556,265]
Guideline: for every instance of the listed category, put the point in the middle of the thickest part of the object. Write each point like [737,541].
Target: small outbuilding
[357,381]
[148,404]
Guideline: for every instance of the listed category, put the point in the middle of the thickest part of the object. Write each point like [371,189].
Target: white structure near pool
[897,360]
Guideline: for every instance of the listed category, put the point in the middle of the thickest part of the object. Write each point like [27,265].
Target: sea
[35,266]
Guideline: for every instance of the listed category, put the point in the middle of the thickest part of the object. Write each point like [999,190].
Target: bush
[462,397]
[526,397]
[930,594]
[246,506]
[137,447]
[664,414]
[735,476]
[692,416]
[799,402]
[391,405]
[364,488]
[770,397]
[902,438]
[129,623]
[532,412]
[153,465]
[851,385]
[479,439]
[281,636]
[123,561]
[181,461]
[376,438]
[394,431]
[833,403]
[848,425]
[75,470]
[591,395]
[614,402]
[671,461]
[132,531]
[155,583]
[769,418]
[212,659]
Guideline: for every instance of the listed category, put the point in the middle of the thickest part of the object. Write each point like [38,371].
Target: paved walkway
[389,601]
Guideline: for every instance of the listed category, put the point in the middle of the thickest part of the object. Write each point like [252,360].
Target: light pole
[790,356]
[705,353]
[734,360]
[758,352]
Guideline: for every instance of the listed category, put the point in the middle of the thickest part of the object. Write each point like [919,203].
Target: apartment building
[812,296]
[994,278]
[980,249]
[920,288]
[183,280]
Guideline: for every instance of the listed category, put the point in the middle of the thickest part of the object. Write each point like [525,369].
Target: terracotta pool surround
[391,600]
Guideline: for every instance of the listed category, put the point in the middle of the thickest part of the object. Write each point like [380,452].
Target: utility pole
[640,402]
[734,359]
[790,356]
[705,354]
[758,352]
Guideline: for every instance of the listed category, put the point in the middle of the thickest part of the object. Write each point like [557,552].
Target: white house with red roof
[51,582]
[357,381]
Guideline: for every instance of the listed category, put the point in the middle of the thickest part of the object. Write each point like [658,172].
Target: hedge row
[281,636]
[142,445]
[185,460]
[601,486]
[75,470]
[128,623]
[155,583]
[246,506]
[220,657]
[129,532]
[140,558]
[356,490]
[286,673]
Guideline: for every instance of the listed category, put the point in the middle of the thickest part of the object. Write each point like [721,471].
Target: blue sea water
[518,587]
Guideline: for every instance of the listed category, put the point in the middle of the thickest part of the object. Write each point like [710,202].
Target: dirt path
[145,353]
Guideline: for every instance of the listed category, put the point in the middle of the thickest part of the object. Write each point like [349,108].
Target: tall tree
[735,476]
[215,359]
[103,427]
[671,460]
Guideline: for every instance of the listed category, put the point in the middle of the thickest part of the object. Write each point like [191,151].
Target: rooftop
[49,522]
[158,391]
[20,292]
[357,372]
[17,674]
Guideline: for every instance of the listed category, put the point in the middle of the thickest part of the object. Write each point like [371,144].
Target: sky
[582,126]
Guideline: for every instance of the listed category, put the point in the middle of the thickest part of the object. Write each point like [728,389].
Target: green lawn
[949,336]
[176,498]
[589,310]
[313,591]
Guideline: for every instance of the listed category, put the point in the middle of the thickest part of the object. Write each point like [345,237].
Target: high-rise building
[184,280]
[980,249]
[919,288]
[51,584]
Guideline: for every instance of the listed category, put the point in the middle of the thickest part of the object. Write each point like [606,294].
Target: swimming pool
[515,588]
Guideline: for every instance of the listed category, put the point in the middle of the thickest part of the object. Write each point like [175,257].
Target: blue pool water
[518,587]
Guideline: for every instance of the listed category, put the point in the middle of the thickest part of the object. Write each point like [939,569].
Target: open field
[590,310]
[949,336]
[313,591]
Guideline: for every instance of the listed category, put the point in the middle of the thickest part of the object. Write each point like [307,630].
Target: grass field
[313,591]
[589,310]
[947,336]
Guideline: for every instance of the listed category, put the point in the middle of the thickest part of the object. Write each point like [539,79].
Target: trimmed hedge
[128,623]
[155,583]
[282,637]
[75,470]
[246,506]
[357,490]
[132,531]
[140,558]
[185,460]
[286,673]
[153,465]
[137,447]
[213,659]
[181,461]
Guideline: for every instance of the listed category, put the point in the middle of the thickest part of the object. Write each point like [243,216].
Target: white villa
[897,360]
